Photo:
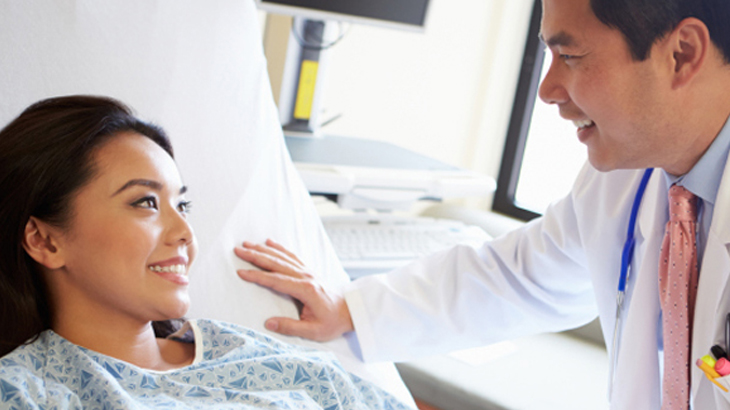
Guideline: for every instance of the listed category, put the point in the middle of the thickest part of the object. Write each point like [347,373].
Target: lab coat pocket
[724,382]
[721,385]
[720,397]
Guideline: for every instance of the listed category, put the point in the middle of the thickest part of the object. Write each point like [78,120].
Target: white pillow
[195,67]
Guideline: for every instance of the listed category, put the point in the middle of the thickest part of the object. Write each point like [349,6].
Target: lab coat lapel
[711,307]
[654,211]
[638,360]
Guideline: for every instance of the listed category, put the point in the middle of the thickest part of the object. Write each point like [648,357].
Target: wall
[446,93]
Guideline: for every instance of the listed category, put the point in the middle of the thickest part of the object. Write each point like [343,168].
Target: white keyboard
[368,244]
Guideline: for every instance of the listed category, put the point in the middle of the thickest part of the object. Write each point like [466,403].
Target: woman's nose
[179,229]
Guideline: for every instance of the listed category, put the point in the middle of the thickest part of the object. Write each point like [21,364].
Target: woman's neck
[123,339]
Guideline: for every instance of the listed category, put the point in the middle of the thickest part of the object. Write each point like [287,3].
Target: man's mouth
[583,124]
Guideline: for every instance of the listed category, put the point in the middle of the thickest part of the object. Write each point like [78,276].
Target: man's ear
[690,42]
[40,241]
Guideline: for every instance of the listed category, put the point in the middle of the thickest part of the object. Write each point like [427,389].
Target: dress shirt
[703,180]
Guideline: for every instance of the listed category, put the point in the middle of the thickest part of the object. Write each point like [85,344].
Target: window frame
[519,125]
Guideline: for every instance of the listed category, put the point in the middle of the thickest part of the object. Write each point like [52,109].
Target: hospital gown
[234,368]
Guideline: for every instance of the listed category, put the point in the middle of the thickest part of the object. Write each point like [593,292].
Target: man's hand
[324,315]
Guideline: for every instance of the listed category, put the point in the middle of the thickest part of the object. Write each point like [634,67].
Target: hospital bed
[197,68]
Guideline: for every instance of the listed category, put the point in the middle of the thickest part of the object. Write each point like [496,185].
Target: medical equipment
[626,257]
[312,33]
[368,244]
[367,174]
[406,16]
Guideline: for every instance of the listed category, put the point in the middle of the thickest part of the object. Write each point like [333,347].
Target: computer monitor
[400,14]
[361,174]
[312,35]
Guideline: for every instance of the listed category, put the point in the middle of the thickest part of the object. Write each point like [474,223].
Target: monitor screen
[394,13]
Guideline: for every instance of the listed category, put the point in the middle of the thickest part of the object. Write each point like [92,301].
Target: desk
[543,372]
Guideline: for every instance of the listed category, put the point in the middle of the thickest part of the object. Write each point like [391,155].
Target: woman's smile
[174,270]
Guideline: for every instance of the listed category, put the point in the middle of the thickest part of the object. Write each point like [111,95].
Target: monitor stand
[304,72]
[366,174]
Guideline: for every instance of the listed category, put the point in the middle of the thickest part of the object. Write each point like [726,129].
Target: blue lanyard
[626,256]
[628,251]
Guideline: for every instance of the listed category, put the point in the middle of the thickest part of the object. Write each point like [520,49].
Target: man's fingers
[279,282]
[293,327]
[282,249]
[273,252]
[265,261]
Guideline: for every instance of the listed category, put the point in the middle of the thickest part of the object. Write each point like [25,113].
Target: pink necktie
[678,272]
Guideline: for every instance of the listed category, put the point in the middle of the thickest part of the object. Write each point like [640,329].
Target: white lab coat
[555,273]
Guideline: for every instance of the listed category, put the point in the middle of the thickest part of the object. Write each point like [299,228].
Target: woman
[95,248]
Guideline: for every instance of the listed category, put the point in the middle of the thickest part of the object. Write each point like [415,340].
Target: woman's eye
[146,202]
[184,207]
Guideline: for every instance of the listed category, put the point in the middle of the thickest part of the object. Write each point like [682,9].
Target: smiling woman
[126,229]
[45,156]
[100,249]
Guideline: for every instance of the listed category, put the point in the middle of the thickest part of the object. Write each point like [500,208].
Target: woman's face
[128,246]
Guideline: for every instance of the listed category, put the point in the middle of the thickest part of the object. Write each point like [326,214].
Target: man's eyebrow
[561,39]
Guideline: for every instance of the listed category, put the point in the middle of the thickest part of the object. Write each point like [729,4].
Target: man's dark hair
[644,22]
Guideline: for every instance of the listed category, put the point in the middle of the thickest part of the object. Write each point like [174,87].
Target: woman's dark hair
[644,22]
[45,157]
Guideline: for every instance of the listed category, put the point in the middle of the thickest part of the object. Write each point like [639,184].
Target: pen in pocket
[710,373]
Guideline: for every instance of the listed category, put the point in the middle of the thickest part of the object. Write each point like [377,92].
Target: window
[542,155]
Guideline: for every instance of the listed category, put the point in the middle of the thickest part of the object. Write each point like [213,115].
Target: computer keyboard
[368,244]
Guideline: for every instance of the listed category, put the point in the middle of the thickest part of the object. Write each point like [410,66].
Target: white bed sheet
[197,68]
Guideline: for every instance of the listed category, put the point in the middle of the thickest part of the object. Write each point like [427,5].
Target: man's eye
[146,202]
[185,207]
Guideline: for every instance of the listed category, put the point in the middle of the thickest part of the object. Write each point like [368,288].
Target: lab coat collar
[720,226]
[654,211]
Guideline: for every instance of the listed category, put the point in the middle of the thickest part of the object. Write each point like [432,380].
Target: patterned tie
[678,272]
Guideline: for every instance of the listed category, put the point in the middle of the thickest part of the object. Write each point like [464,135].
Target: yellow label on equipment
[305,94]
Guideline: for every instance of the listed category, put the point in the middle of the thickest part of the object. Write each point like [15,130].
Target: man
[647,84]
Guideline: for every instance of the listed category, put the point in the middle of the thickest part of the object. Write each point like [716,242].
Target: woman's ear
[40,241]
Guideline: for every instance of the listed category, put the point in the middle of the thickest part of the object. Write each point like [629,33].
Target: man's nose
[552,90]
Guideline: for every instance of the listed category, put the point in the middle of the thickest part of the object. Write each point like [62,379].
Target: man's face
[614,101]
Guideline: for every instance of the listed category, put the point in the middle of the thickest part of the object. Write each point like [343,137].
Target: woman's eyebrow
[139,182]
[147,183]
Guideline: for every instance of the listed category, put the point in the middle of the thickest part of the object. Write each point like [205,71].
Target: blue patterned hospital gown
[234,368]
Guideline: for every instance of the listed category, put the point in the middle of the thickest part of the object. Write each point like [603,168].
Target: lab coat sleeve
[528,281]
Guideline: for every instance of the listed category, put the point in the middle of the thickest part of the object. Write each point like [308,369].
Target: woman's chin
[175,309]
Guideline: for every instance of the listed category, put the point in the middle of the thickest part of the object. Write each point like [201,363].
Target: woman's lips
[173,269]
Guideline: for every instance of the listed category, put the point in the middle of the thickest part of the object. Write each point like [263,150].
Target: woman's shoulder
[29,374]
[221,338]
[217,328]
[30,357]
